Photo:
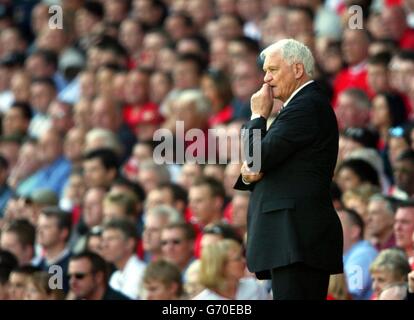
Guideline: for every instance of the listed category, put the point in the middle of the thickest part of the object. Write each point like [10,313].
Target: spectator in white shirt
[119,247]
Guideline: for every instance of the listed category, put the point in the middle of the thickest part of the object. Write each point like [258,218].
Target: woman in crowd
[389,267]
[222,273]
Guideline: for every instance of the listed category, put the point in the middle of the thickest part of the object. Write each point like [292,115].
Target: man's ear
[299,70]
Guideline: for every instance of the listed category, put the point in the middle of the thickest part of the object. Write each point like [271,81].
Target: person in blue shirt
[358,255]
[56,168]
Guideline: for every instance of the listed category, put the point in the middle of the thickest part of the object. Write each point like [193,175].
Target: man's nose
[267,77]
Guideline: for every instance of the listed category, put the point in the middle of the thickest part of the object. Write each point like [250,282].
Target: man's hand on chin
[249,176]
[261,102]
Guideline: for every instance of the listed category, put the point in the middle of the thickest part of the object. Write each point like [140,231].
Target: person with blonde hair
[390,267]
[38,288]
[192,285]
[222,270]
[358,199]
[162,280]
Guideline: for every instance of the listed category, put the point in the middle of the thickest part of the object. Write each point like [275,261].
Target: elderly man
[294,234]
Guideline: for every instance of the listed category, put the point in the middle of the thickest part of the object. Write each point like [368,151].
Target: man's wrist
[255,116]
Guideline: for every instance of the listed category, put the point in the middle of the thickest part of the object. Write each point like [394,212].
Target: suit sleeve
[294,129]
[258,124]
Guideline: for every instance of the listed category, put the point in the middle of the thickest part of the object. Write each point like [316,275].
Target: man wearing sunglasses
[177,244]
[88,278]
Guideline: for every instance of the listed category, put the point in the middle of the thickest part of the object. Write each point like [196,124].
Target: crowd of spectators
[85,204]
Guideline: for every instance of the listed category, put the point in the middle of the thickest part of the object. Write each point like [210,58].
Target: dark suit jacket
[291,217]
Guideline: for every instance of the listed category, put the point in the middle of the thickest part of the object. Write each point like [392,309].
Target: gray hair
[394,261]
[166,212]
[360,97]
[388,204]
[103,138]
[292,51]
[162,171]
[194,96]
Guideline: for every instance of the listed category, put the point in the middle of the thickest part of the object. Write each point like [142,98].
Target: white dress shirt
[129,280]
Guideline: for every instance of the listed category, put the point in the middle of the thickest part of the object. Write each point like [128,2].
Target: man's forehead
[405,212]
[272,58]
[82,263]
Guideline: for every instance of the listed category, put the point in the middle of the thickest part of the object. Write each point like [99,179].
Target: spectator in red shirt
[378,72]
[395,22]
[352,109]
[137,97]
[355,43]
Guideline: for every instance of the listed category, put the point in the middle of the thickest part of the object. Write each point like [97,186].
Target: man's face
[136,87]
[9,241]
[157,290]
[74,144]
[158,197]
[347,179]
[50,146]
[14,122]
[17,284]
[48,233]
[189,173]
[151,236]
[397,145]
[95,173]
[381,279]
[201,203]
[185,75]
[404,227]
[61,117]
[82,281]
[348,114]
[280,76]
[378,77]
[298,23]
[148,179]
[246,80]
[104,115]
[175,247]
[92,207]
[404,175]
[41,95]
[379,219]
[354,46]
[130,35]
[114,245]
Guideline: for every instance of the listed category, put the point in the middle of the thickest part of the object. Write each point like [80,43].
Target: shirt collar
[295,92]
[358,67]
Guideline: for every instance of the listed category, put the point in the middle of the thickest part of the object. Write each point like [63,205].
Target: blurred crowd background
[80,188]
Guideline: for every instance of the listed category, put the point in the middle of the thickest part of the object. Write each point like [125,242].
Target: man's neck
[184,264]
[385,236]
[97,294]
[120,264]
[216,217]
[52,253]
